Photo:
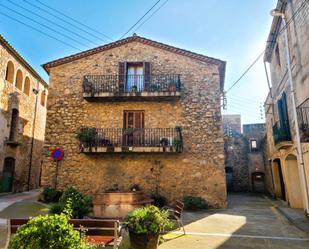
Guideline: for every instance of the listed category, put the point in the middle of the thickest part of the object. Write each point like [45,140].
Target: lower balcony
[282,137]
[130,140]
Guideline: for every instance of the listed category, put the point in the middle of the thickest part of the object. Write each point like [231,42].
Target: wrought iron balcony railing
[131,85]
[280,134]
[303,120]
[124,140]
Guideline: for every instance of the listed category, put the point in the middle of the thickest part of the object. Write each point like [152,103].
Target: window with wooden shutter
[122,72]
[147,74]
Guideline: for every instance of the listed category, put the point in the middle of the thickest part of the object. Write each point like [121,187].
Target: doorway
[8,174]
[133,126]
[278,180]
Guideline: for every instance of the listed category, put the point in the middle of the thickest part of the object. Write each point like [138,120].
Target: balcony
[131,87]
[130,140]
[282,137]
[303,120]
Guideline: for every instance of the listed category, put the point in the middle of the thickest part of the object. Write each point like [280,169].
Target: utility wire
[56,24]
[63,20]
[74,20]
[47,27]
[139,20]
[152,14]
[42,32]
[256,60]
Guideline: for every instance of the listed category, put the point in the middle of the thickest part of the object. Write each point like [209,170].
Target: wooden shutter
[122,72]
[285,112]
[147,74]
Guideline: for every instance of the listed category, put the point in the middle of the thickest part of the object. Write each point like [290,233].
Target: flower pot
[144,241]
[172,88]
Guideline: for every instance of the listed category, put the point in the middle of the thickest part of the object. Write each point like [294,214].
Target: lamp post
[36,92]
[277,13]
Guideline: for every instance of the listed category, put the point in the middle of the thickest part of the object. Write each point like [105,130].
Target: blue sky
[231,30]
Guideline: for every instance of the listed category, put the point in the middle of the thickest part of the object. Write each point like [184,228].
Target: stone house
[137,112]
[289,179]
[22,121]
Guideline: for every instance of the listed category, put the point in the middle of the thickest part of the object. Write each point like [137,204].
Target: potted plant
[172,86]
[177,143]
[145,225]
[87,137]
[129,131]
[153,88]
[164,142]
[134,89]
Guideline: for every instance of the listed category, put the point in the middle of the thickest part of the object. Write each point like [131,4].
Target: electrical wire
[43,25]
[42,32]
[139,20]
[63,20]
[259,56]
[74,20]
[152,14]
[51,21]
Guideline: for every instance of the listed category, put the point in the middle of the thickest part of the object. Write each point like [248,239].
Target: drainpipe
[298,143]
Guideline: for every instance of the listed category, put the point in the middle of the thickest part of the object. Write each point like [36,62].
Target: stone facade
[232,124]
[17,79]
[198,170]
[285,176]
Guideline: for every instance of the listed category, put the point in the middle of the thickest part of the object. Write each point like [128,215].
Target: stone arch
[9,75]
[27,86]
[19,79]
[293,182]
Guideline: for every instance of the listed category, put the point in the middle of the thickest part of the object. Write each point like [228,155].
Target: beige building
[286,178]
[22,121]
[137,112]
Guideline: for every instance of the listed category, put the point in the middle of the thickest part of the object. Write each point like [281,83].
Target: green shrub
[87,135]
[50,195]
[194,202]
[48,232]
[148,220]
[81,204]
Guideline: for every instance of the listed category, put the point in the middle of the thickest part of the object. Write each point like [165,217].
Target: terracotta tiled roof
[143,40]
[18,57]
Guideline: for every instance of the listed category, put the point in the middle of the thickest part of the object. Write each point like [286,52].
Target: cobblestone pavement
[251,221]
[7,200]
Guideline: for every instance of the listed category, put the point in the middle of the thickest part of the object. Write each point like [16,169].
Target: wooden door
[133,125]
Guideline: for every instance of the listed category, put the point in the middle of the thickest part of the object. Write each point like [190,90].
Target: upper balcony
[282,136]
[130,140]
[303,120]
[132,87]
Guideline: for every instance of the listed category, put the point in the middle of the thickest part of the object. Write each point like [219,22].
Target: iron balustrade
[119,137]
[131,83]
[303,116]
[280,134]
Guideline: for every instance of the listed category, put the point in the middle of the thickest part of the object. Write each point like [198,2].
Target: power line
[49,20]
[63,20]
[256,60]
[47,27]
[139,20]
[150,16]
[74,20]
[42,32]
[246,71]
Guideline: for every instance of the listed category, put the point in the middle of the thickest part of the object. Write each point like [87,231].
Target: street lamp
[277,13]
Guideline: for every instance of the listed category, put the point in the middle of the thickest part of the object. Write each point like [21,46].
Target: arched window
[27,86]
[43,98]
[9,76]
[14,125]
[19,79]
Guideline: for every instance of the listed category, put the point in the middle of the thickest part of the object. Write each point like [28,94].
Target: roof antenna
[134,34]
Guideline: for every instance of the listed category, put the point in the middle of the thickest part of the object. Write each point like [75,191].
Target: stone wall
[11,97]
[198,170]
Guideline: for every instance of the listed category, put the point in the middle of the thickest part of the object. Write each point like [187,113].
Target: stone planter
[118,204]
[143,241]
